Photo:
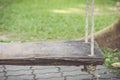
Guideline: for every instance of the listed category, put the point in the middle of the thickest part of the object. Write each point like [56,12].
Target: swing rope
[92,29]
[86,27]
[92,26]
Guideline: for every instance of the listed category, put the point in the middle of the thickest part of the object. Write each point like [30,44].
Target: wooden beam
[49,53]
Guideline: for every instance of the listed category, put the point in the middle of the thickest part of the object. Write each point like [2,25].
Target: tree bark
[110,36]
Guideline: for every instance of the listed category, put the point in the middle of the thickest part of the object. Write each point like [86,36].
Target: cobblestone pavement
[9,72]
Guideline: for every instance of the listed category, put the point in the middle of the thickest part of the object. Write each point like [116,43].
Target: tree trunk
[110,36]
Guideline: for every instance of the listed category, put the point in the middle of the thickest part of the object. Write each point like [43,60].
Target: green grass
[111,56]
[35,20]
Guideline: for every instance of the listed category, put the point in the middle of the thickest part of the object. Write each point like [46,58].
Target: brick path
[9,72]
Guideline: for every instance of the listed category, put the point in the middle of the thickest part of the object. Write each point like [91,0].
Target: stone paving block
[102,71]
[61,78]
[1,74]
[2,78]
[19,72]
[104,79]
[70,68]
[1,69]
[51,70]
[72,73]
[80,77]
[1,66]
[115,78]
[11,67]
[101,67]
[53,73]
[43,67]
[48,75]
[22,77]
[108,75]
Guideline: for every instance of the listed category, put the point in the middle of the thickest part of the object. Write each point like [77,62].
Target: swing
[68,53]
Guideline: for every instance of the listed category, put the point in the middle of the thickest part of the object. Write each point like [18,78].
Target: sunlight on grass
[70,11]
[79,9]
[41,20]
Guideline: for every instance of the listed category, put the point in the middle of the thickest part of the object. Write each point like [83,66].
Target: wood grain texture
[49,53]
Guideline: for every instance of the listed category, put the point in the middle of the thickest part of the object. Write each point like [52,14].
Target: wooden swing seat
[49,53]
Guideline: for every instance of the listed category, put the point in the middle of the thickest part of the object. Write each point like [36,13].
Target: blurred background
[43,20]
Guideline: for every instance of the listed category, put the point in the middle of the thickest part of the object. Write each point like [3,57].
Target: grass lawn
[43,20]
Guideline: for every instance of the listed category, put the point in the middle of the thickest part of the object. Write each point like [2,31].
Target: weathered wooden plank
[49,53]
